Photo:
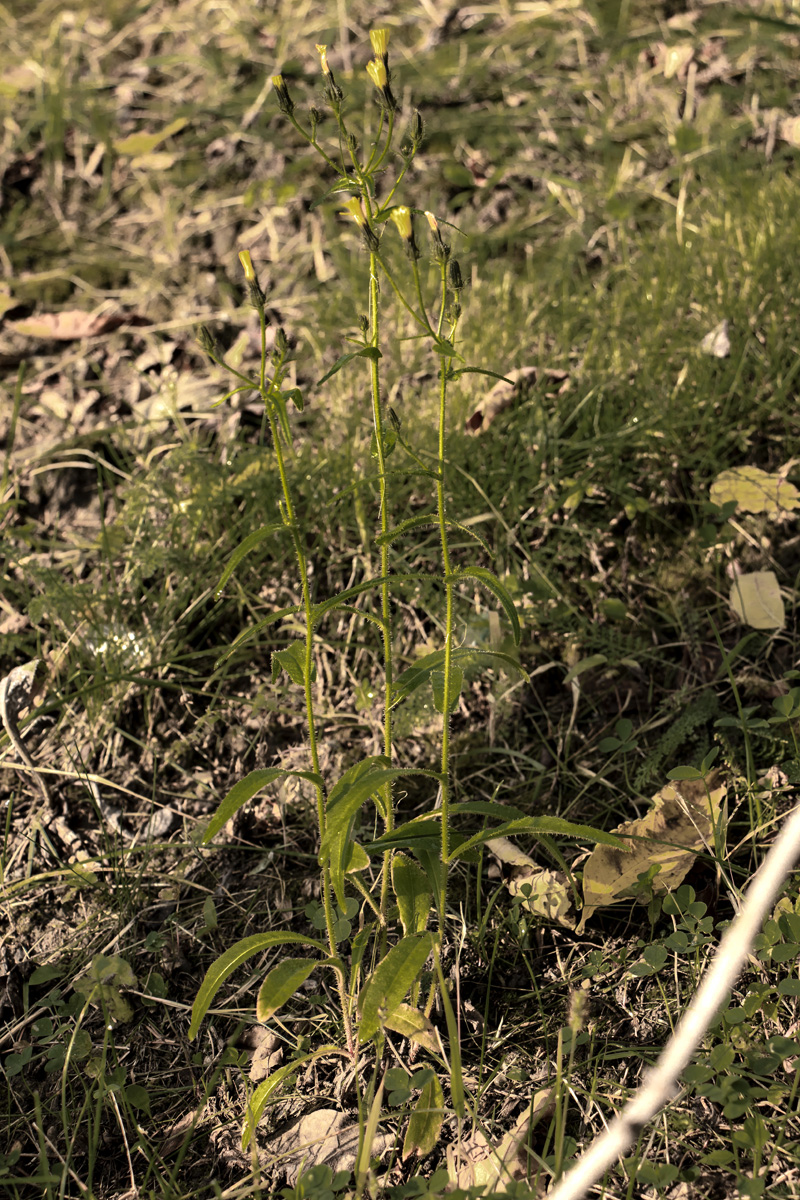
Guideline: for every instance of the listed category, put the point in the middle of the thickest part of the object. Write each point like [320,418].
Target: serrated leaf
[754,491]
[249,543]
[490,581]
[756,599]
[245,789]
[437,684]
[237,954]
[390,982]
[425,1123]
[281,983]
[414,896]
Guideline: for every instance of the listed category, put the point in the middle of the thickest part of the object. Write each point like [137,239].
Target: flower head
[322,51]
[377,73]
[379,39]
[402,219]
[247,264]
[353,209]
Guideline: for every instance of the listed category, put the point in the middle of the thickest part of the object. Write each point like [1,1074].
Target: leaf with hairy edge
[456,1077]
[227,963]
[249,543]
[390,982]
[490,581]
[463,657]
[456,683]
[284,980]
[245,789]
[363,780]
[456,371]
[487,808]
[371,352]
[534,825]
[248,634]
[430,520]
[426,1120]
[292,660]
[259,1098]
[319,610]
[414,897]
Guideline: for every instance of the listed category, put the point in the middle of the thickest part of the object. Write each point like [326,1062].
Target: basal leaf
[425,1123]
[284,980]
[391,980]
[258,1101]
[227,963]
[245,789]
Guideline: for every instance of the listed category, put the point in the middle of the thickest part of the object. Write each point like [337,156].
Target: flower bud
[257,296]
[441,249]
[456,279]
[353,209]
[206,340]
[352,143]
[363,323]
[285,102]
[376,69]
[394,419]
[405,227]
[281,343]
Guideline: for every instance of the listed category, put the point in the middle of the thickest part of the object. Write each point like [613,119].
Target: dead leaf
[72,324]
[325,1136]
[138,144]
[677,827]
[757,601]
[503,395]
[754,491]
[476,1162]
[549,894]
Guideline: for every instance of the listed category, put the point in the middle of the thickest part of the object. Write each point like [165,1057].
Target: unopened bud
[257,297]
[441,249]
[363,322]
[285,102]
[206,340]
[352,143]
[456,279]
[394,419]
[281,342]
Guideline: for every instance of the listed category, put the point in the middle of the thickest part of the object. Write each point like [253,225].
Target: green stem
[302,567]
[386,612]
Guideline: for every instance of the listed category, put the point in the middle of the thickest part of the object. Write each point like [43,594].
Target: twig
[661,1083]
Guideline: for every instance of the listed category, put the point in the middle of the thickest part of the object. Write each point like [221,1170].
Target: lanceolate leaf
[227,963]
[284,980]
[389,983]
[248,634]
[258,1101]
[437,683]
[431,521]
[245,789]
[363,780]
[365,352]
[463,657]
[358,589]
[426,1121]
[534,825]
[249,543]
[414,896]
[494,585]
[292,659]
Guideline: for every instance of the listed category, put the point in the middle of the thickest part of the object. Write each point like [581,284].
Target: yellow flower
[247,263]
[377,73]
[402,219]
[380,40]
[431,219]
[322,51]
[353,209]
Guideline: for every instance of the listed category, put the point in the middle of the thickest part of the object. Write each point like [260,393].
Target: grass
[603,238]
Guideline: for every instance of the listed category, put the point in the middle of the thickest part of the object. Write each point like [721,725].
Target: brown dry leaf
[550,895]
[325,1136]
[673,832]
[476,1162]
[70,325]
[503,395]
